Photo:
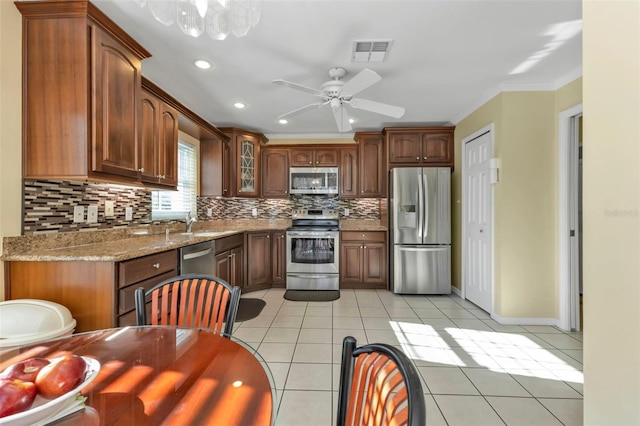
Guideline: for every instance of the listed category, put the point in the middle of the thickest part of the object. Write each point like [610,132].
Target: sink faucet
[190,221]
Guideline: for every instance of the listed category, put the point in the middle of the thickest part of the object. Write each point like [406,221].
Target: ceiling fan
[337,93]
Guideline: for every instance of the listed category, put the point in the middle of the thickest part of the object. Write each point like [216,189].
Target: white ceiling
[447,58]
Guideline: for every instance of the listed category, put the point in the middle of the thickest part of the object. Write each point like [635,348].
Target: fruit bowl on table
[46,410]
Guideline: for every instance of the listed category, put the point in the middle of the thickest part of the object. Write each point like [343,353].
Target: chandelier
[217,18]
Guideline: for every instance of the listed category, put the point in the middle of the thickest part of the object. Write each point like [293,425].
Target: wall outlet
[346,212]
[92,214]
[209,212]
[78,214]
[254,212]
[128,213]
[108,208]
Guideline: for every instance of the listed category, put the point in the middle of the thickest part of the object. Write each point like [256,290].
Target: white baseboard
[525,321]
[456,291]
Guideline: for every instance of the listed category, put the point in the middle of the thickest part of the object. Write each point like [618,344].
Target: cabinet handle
[141,169]
[363,235]
[424,158]
[362,192]
[285,192]
[156,266]
[417,158]
[267,236]
[364,247]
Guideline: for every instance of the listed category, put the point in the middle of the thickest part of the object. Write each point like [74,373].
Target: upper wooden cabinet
[348,176]
[81,88]
[241,162]
[426,146]
[275,172]
[314,157]
[158,152]
[372,176]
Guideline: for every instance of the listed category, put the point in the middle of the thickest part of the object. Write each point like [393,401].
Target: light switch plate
[78,214]
[254,212]
[346,212]
[209,211]
[92,214]
[108,208]
[128,213]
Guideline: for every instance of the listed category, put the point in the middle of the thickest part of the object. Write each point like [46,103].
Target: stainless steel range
[312,250]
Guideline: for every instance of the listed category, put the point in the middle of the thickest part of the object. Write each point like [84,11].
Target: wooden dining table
[156,375]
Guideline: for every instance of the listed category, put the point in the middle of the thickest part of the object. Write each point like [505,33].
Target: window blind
[176,204]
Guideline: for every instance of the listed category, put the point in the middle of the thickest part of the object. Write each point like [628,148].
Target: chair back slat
[379,386]
[196,301]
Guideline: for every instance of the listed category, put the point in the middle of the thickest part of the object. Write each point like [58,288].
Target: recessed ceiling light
[239,105]
[282,121]
[202,64]
[352,120]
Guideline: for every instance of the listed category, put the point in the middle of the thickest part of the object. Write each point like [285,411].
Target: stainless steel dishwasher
[198,258]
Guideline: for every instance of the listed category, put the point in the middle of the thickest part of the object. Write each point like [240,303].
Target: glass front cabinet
[243,165]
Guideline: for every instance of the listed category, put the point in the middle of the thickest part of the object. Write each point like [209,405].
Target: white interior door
[477,205]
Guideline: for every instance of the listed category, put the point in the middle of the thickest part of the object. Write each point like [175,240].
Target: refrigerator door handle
[425,204]
[421,201]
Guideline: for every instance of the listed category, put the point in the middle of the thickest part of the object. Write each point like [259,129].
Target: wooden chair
[379,386]
[192,300]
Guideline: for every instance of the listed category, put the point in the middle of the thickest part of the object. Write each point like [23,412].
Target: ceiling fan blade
[303,109]
[377,107]
[361,81]
[342,119]
[297,86]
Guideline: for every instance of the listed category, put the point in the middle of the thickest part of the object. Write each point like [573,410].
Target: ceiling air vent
[370,50]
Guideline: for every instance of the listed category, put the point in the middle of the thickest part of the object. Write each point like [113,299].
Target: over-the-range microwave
[313,180]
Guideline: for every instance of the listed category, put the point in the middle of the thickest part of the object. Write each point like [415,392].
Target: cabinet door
[228,169]
[223,261]
[348,179]
[302,157]
[436,148]
[168,146]
[248,152]
[236,267]
[116,108]
[325,158]
[275,173]
[258,259]
[279,257]
[374,269]
[351,262]
[372,177]
[149,134]
[405,148]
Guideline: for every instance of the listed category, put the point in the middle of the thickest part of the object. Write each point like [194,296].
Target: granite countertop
[361,225]
[116,245]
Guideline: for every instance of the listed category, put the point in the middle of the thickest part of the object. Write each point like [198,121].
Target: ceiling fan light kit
[338,93]
[217,18]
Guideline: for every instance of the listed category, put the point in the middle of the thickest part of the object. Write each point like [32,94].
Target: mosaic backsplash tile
[48,206]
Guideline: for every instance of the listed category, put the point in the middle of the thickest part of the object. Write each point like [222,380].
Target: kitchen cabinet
[258,260]
[241,162]
[158,141]
[230,259]
[275,173]
[428,146]
[314,157]
[278,258]
[372,176]
[363,259]
[348,173]
[98,294]
[81,92]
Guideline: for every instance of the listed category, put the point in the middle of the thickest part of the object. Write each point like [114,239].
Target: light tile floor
[474,370]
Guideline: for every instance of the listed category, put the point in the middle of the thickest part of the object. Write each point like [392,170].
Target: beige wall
[309,141]
[10,127]
[611,212]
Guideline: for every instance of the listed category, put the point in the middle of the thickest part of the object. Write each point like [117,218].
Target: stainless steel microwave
[313,180]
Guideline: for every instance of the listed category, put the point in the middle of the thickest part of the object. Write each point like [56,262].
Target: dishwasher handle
[196,254]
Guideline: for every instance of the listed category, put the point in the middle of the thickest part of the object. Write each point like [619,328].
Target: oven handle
[312,275]
[313,234]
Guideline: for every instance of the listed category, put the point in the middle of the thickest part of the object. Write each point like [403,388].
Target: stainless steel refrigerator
[420,226]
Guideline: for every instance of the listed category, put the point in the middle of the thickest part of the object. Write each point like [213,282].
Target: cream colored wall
[10,127]
[309,141]
[611,80]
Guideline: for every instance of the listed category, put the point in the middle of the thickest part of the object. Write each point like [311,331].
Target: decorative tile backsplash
[48,206]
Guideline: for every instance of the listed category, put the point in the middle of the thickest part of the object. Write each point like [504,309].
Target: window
[176,204]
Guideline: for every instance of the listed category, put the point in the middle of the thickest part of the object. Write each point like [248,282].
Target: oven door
[312,252]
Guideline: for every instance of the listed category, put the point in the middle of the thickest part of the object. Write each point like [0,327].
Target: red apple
[26,370]
[16,396]
[60,377]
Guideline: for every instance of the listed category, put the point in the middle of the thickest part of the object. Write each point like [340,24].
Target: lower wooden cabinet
[230,259]
[98,294]
[258,260]
[278,258]
[363,259]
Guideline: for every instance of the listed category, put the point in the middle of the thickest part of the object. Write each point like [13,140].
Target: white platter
[43,409]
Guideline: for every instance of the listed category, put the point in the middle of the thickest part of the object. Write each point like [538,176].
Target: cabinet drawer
[227,243]
[129,319]
[377,236]
[142,268]
[126,297]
